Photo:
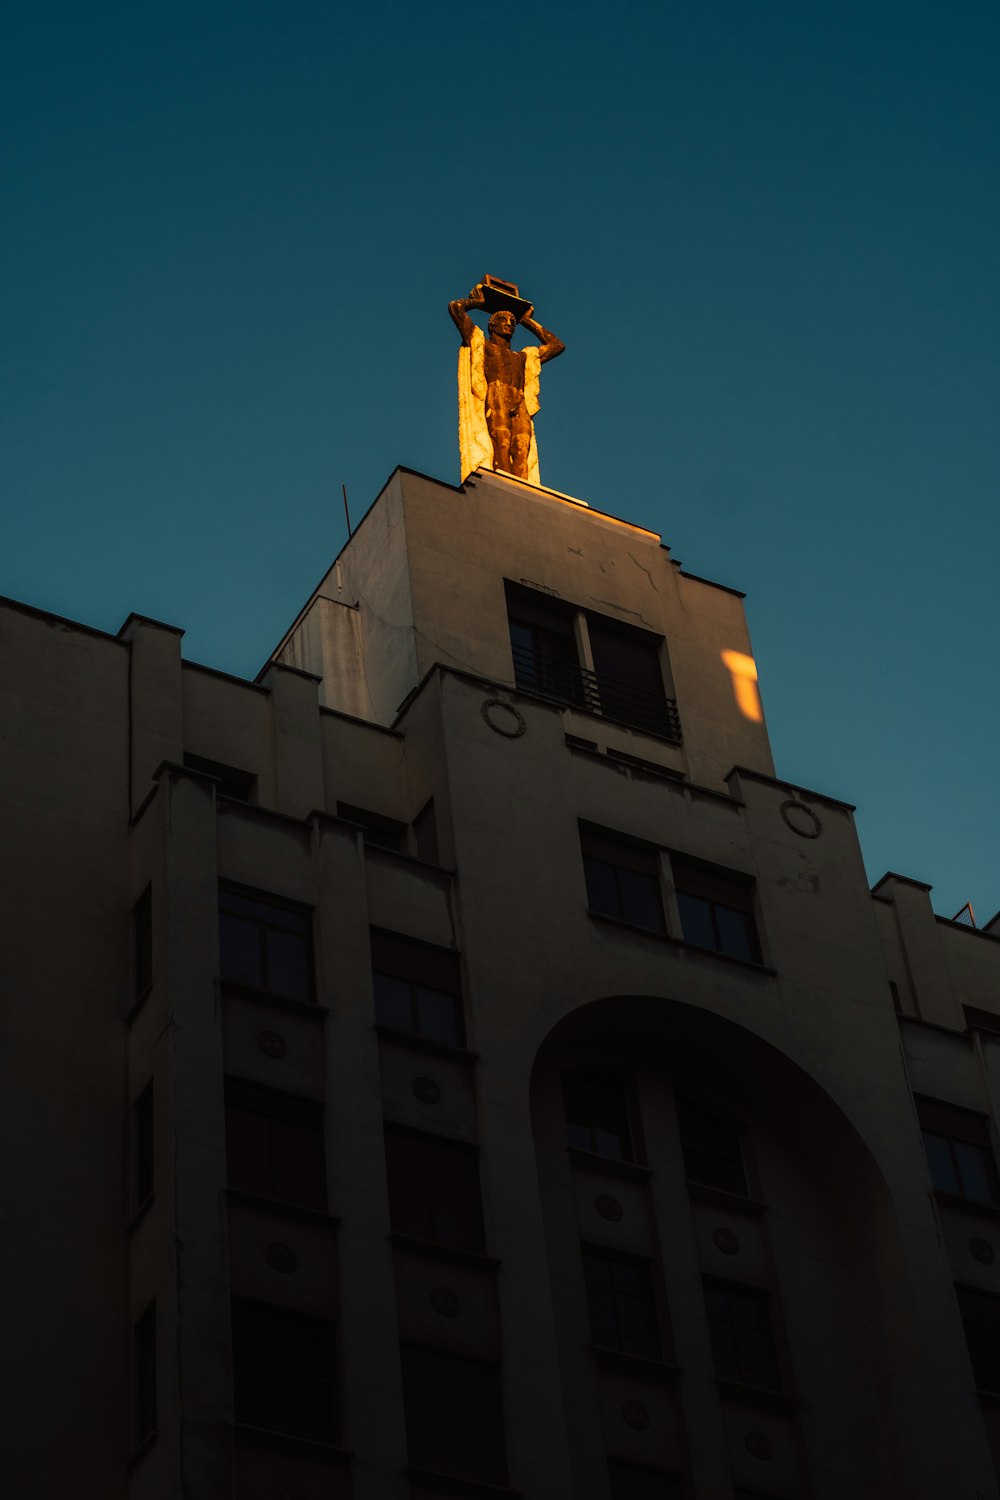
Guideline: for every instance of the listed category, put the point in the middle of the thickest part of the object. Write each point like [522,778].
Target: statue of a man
[498,389]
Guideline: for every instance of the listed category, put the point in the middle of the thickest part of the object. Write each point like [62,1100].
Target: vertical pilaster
[156,712]
[295,729]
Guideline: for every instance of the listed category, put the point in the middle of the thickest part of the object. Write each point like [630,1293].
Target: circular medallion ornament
[801,819]
[504,718]
[758,1445]
[983,1251]
[281,1258]
[726,1241]
[271,1043]
[608,1207]
[635,1415]
[427,1091]
[445,1301]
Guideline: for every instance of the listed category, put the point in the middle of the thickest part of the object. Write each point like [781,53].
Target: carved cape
[475,446]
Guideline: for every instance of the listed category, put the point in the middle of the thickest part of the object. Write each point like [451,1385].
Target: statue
[498,385]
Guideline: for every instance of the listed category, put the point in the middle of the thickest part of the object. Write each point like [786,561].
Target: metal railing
[578,687]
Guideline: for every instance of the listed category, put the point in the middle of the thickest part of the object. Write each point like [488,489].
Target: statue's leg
[499,429]
[520,442]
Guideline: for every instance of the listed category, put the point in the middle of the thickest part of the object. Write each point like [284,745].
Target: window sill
[632,1171]
[757,1395]
[274,1434]
[283,1210]
[277,1002]
[460,1483]
[989,1211]
[426,1044]
[431,1250]
[140,1213]
[676,942]
[139,1453]
[703,1192]
[640,1365]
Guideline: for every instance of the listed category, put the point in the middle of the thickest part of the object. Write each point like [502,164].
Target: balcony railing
[578,687]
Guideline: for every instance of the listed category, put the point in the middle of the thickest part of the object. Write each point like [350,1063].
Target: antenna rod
[347,513]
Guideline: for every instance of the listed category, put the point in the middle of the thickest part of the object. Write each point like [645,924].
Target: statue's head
[503,323]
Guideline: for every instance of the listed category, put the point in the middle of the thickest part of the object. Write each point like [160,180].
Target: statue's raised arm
[459,311]
[552,346]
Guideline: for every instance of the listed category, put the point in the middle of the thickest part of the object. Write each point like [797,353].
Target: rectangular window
[434,1190]
[740,1330]
[382,832]
[283,1370]
[629,679]
[620,1302]
[543,646]
[237,785]
[639,1482]
[713,1154]
[623,879]
[265,944]
[716,909]
[142,1148]
[142,944]
[959,1152]
[597,1117]
[274,1145]
[144,1377]
[454,1415]
[981,1320]
[417,988]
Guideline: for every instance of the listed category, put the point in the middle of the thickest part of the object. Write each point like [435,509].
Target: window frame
[710,884]
[955,1125]
[647,1297]
[622,853]
[575,1080]
[279,904]
[686,1107]
[445,1144]
[396,956]
[761,1296]
[277,1106]
[417,1382]
[325,1430]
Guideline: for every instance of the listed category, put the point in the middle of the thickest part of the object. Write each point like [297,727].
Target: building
[454,1064]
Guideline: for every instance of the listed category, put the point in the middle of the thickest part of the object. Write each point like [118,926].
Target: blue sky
[769,235]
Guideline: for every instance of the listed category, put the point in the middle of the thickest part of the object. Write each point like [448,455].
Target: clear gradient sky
[769,234]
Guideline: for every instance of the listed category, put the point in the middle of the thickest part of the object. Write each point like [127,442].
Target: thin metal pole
[347,513]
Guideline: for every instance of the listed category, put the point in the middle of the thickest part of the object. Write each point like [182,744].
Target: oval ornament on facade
[758,1445]
[504,718]
[608,1207]
[983,1251]
[801,819]
[726,1241]
[271,1043]
[281,1258]
[635,1415]
[445,1301]
[427,1091]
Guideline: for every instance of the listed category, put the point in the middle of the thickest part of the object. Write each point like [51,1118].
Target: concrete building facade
[455,1064]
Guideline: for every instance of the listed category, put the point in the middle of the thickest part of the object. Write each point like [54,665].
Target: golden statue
[498,385]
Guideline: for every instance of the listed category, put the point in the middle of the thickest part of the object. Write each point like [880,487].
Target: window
[543,646]
[713,1154]
[425,837]
[959,1152]
[144,1377]
[620,1302]
[981,1320]
[597,1114]
[238,786]
[283,1370]
[265,944]
[274,1145]
[628,677]
[623,879]
[740,1330]
[639,1482]
[983,1020]
[383,832]
[716,909]
[417,988]
[454,1415]
[142,1148]
[434,1190]
[142,944]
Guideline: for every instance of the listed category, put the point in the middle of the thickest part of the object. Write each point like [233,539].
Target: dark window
[144,1377]
[265,945]
[740,1330]
[142,944]
[639,1482]
[981,1320]
[425,835]
[274,1145]
[454,1415]
[283,1370]
[239,786]
[983,1020]
[716,910]
[712,1151]
[543,646]
[383,832]
[959,1152]
[623,879]
[142,1148]
[628,678]
[417,988]
[620,1301]
[597,1114]
[434,1190]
